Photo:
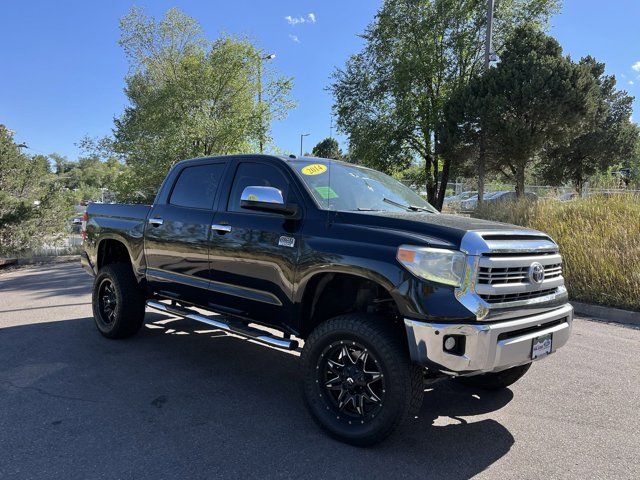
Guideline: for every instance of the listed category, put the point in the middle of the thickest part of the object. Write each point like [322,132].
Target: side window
[196,186]
[256,174]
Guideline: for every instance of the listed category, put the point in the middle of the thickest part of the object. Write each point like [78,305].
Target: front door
[253,255]
[177,234]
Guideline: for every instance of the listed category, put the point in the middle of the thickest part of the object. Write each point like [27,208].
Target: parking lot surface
[181,401]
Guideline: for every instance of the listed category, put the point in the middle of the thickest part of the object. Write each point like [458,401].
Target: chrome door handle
[156,222]
[221,228]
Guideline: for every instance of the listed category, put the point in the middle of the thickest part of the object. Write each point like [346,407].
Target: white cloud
[294,20]
[294,38]
[310,18]
[630,82]
[636,66]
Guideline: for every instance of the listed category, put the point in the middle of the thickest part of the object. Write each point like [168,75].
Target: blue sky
[62,69]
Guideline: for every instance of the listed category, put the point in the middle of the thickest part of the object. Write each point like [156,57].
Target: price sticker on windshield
[314,169]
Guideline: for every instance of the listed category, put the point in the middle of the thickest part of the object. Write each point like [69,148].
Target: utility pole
[302,135]
[487,63]
[331,126]
[261,59]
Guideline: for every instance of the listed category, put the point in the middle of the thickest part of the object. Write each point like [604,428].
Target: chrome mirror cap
[262,194]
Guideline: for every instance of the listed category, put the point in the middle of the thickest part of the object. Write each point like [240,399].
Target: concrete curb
[21,262]
[607,314]
[7,262]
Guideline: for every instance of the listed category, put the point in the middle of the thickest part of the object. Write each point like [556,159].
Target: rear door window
[196,186]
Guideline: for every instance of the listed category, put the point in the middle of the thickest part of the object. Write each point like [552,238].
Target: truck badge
[536,273]
[286,241]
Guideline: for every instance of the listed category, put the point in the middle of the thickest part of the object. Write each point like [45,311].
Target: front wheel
[497,380]
[118,301]
[358,381]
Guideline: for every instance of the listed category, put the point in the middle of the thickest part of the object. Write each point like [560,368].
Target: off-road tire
[498,380]
[127,315]
[403,381]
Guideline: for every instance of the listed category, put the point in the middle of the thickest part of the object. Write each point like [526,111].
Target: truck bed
[127,211]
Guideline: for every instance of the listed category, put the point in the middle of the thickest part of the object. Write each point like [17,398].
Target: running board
[242,330]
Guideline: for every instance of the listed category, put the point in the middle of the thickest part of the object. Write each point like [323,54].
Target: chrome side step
[242,330]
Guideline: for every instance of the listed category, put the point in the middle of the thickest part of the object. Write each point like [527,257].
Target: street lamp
[262,58]
[302,135]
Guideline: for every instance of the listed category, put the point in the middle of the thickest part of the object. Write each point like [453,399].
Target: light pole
[302,135]
[262,58]
[487,63]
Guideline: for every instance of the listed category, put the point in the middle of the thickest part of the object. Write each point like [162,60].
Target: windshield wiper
[410,208]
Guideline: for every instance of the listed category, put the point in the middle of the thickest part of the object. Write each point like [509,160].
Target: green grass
[599,240]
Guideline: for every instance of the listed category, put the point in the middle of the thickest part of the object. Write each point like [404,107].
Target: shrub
[599,240]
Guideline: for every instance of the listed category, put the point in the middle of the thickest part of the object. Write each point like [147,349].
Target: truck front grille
[519,274]
[502,275]
[512,297]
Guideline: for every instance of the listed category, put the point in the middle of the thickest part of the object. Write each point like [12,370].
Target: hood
[432,228]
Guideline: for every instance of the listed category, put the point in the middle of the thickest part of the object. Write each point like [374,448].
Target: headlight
[435,264]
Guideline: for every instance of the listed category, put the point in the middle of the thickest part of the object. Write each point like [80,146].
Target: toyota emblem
[536,273]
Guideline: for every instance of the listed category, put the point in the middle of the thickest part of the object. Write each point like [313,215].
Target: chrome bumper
[488,347]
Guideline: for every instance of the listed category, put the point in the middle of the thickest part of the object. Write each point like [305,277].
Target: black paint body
[247,273]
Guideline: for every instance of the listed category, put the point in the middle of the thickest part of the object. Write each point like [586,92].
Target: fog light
[450,343]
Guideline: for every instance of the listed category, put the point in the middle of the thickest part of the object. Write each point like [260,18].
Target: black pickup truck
[385,292]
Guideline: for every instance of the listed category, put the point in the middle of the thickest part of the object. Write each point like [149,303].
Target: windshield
[345,187]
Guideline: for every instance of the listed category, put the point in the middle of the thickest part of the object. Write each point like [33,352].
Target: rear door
[178,230]
[253,255]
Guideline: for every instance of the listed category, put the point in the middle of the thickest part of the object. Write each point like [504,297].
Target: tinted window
[256,174]
[196,187]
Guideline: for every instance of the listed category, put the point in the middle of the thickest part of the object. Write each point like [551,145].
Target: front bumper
[488,347]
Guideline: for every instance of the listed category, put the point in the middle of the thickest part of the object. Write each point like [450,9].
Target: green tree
[87,178]
[606,137]
[189,97]
[33,209]
[529,103]
[389,98]
[328,148]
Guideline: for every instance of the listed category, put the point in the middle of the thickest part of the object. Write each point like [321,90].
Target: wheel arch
[348,291]
[112,250]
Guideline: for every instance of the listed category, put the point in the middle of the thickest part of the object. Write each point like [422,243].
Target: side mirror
[267,199]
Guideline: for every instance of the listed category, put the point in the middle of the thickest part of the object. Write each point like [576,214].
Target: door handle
[220,228]
[156,222]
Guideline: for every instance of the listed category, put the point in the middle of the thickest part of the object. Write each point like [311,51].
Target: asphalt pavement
[181,401]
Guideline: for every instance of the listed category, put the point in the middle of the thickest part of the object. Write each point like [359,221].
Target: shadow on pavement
[61,279]
[179,401]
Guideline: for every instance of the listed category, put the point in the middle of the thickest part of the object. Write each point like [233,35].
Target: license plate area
[541,346]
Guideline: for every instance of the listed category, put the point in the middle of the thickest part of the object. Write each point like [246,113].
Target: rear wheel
[498,380]
[358,381]
[118,301]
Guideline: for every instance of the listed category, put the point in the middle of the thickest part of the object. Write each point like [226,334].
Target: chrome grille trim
[511,297]
[497,283]
[489,275]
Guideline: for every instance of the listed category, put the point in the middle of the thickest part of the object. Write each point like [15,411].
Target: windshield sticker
[314,169]
[326,192]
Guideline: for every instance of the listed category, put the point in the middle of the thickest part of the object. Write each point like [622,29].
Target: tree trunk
[482,153]
[430,178]
[446,165]
[520,168]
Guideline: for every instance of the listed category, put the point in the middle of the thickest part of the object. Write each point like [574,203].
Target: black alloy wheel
[353,380]
[107,302]
[118,301]
[358,381]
